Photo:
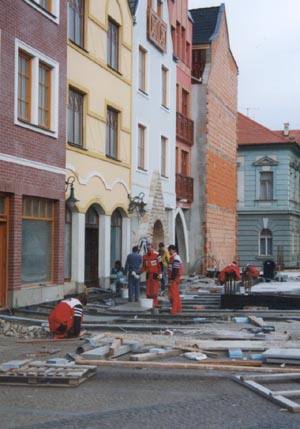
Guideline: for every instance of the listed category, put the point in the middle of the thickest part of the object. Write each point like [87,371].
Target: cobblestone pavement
[136,398]
[122,398]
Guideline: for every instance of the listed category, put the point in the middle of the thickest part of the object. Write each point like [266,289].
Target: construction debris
[39,373]
[280,397]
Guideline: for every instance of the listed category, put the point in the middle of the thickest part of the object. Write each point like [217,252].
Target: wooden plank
[173,365]
[207,346]
[48,340]
[267,393]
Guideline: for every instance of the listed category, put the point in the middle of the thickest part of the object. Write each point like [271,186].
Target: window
[113,45]
[76,22]
[45,4]
[49,8]
[185,103]
[183,44]
[115,238]
[75,117]
[163,170]
[266,185]
[44,95]
[141,147]
[37,228]
[266,243]
[24,86]
[112,133]
[142,69]
[164,86]
[36,98]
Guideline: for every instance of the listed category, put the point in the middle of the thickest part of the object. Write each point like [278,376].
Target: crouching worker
[175,270]
[66,318]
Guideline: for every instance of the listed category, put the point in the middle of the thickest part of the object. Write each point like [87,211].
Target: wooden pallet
[280,397]
[40,373]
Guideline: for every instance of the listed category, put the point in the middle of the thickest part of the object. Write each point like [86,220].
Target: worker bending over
[153,268]
[66,318]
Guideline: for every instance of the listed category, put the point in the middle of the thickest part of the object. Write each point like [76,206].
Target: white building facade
[153,123]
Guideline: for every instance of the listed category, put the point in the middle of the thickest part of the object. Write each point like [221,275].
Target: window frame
[112,133]
[113,41]
[164,86]
[81,119]
[36,58]
[266,186]
[35,214]
[142,70]
[74,27]
[141,147]
[163,153]
[51,13]
[267,237]
[45,106]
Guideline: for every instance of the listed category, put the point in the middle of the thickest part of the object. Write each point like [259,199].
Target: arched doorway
[180,241]
[116,238]
[91,271]
[158,234]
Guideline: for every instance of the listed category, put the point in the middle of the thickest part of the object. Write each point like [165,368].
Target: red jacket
[152,263]
[230,269]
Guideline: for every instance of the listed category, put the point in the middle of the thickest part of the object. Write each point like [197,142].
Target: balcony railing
[184,188]
[156,30]
[184,129]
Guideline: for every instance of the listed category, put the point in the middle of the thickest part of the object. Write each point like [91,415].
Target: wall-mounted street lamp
[137,204]
[71,201]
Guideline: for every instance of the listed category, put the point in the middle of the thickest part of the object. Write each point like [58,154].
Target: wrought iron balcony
[184,129]
[156,30]
[184,188]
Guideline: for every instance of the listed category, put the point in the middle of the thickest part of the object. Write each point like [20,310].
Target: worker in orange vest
[153,267]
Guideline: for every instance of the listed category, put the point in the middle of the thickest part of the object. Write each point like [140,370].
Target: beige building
[98,162]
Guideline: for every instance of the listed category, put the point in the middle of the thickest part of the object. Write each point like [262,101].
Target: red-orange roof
[251,132]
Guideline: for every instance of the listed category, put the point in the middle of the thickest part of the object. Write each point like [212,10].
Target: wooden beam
[173,365]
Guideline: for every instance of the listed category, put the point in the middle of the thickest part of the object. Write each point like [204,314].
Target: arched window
[116,238]
[266,243]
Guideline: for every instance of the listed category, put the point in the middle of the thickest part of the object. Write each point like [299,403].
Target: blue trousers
[133,288]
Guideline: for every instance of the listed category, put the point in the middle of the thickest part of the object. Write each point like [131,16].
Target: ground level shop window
[37,227]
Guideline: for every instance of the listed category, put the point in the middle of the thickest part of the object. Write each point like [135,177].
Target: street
[137,398]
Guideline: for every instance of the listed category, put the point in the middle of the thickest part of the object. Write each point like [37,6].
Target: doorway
[91,271]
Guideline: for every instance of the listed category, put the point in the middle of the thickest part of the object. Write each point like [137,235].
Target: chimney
[286,129]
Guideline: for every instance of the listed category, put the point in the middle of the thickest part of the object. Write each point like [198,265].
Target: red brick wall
[221,152]
[20,20]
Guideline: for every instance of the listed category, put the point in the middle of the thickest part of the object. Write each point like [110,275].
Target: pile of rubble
[12,329]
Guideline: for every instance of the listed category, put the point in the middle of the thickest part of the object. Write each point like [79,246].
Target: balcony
[184,129]
[156,30]
[184,188]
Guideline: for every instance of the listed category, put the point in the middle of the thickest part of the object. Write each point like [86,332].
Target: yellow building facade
[98,165]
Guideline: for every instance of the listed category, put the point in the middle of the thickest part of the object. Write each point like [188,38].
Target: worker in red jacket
[153,267]
[231,270]
[66,318]
[175,270]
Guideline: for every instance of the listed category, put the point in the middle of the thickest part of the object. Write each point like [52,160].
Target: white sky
[265,41]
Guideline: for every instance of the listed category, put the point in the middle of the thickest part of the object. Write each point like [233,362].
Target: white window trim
[146,91]
[53,16]
[38,56]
